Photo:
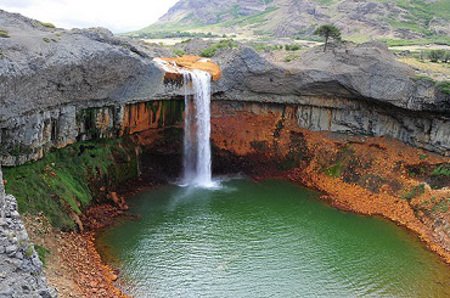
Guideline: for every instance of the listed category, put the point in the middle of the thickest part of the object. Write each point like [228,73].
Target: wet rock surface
[21,271]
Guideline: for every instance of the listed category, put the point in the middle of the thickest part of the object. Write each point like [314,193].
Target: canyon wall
[59,87]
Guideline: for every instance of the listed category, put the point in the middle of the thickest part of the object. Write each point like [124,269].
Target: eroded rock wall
[28,137]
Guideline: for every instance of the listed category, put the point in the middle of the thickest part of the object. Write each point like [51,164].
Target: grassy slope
[420,14]
[67,180]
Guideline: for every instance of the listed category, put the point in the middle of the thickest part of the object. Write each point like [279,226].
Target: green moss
[67,180]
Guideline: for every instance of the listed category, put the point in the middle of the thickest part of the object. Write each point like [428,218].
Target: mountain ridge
[359,19]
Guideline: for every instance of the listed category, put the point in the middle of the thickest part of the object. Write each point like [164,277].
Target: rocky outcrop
[21,272]
[59,87]
[349,89]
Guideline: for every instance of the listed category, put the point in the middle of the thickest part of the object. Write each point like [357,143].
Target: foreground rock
[21,271]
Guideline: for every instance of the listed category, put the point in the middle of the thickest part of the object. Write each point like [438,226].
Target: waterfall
[197,129]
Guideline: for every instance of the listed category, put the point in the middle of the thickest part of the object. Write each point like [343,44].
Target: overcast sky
[116,15]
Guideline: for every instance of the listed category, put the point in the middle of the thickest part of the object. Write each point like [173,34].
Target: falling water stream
[197,130]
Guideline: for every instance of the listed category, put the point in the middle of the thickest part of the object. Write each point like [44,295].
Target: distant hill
[358,19]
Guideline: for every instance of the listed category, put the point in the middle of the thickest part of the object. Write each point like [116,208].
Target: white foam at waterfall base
[197,130]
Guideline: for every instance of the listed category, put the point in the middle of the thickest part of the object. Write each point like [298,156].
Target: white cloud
[118,16]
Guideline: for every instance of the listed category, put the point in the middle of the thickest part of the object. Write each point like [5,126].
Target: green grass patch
[66,181]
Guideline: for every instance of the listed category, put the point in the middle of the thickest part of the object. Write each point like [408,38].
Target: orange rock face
[191,62]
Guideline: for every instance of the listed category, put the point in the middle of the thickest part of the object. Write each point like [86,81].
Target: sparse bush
[47,25]
[444,87]
[223,44]
[293,47]
[45,39]
[442,170]
[3,33]
[179,52]
[439,55]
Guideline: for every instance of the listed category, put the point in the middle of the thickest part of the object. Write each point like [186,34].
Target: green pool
[268,239]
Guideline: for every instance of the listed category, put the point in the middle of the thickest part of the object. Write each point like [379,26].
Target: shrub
[436,55]
[292,47]
[442,170]
[4,33]
[223,44]
[47,25]
[179,52]
[444,87]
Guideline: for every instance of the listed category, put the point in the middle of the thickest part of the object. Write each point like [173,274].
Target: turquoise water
[268,239]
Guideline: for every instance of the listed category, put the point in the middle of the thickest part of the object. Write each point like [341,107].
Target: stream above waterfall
[266,239]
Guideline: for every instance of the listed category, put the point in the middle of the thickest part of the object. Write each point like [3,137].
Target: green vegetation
[442,170]
[176,34]
[249,20]
[444,87]
[47,25]
[42,253]
[439,55]
[327,32]
[4,34]
[66,180]
[45,39]
[442,206]
[414,192]
[335,171]
[223,44]
[439,40]
[179,52]
[292,47]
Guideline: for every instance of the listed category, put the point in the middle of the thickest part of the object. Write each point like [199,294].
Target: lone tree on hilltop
[328,31]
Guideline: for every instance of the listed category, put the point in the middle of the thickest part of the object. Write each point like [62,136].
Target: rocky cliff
[58,87]
[349,89]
